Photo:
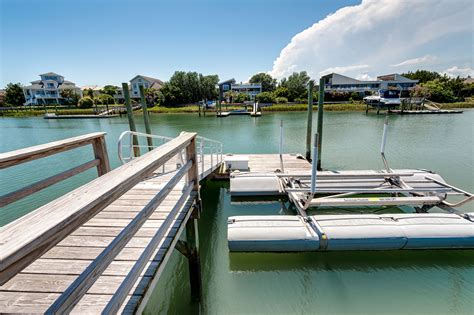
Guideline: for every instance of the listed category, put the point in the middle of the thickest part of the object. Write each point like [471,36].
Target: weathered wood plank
[42,184]
[32,153]
[58,283]
[34,303]
[89,253]
[26,239]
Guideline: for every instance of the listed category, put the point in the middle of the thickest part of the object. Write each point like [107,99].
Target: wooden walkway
[35,288]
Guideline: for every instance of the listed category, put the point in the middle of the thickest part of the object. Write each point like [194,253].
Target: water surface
[414,282]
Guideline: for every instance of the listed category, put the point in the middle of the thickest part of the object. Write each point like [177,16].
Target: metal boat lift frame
[349,188]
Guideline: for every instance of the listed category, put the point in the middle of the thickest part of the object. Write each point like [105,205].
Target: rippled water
[412,282]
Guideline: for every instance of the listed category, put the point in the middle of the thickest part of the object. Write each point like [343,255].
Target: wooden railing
[13,158]
[26,239]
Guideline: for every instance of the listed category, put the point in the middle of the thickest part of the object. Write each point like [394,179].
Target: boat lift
[420,189]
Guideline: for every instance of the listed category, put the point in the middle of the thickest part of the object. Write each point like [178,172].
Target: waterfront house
[341,83]
[251,89]
[134,87]
[146,82]
[48,89]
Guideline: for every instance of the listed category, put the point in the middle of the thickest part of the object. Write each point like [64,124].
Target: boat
[385,99]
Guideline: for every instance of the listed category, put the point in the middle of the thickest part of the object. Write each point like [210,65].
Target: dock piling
[313,165]
[310,120]
[131,122]
[281,147]
[320,121]
[146,118]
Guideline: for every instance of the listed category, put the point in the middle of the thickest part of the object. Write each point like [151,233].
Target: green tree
[14,95]
[230,95]
[241,97]
[104,99]
[189,87]
[88,93]
[296,85]
[153,97]
[70,96]
[268,83]
[439,91]
[281,92]
[110,90]
[86,102]
[265,97]
[422,76]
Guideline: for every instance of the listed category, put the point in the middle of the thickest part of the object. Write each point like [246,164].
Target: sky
[99,42]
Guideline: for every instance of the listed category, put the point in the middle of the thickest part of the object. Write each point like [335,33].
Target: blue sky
[108,42]
[100,42]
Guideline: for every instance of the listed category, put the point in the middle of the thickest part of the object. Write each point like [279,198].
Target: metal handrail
[205,146]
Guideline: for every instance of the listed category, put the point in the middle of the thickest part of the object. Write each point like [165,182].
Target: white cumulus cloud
[375,34]
[343,70]
[456,71]
[416,61]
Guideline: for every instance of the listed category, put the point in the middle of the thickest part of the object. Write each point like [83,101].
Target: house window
[146,85]
[225,87]
[51,85]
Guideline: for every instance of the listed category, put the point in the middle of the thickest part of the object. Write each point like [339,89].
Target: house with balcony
[341,83]
[48,89]
[134,87]
[251,89]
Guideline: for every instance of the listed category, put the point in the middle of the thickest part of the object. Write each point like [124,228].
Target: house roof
[227,81]
[341,79]
[91,87]
[148,79]
[394,77]
[468,81]
[51,73]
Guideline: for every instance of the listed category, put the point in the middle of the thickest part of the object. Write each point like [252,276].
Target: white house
[48,89]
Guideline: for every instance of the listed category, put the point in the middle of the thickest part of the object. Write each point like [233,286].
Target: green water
[427,282]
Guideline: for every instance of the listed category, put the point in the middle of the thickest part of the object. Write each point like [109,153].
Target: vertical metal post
[382,145]
[310,120]
[313,165]
[146,118]
[320,121]
[131,122]
[281,147]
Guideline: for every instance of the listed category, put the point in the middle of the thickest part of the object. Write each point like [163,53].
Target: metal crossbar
[204,146]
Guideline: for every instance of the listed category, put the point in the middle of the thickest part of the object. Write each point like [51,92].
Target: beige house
[48,89]
[134,87]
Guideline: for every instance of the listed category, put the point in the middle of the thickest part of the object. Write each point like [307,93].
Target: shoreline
[352,107]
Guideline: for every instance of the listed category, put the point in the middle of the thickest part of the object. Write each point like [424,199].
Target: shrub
[86,102]
[241,97]
[265,97]
[300,100]
[281,100]
[103,99]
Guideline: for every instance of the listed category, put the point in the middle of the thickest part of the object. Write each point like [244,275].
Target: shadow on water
[365,261]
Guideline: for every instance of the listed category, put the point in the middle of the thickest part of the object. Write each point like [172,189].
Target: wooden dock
[103,246]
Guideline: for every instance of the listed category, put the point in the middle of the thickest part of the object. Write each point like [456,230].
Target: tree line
[191,87]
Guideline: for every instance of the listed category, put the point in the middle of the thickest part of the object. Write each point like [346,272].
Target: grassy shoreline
[354,107]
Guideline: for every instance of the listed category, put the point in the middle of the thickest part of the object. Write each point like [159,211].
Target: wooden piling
[194,262]
[320,120]
[146,118]
[310,120]
[131,122]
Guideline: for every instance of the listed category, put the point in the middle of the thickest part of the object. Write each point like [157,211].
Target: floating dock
[424,111]
[305,190]
[54,116]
